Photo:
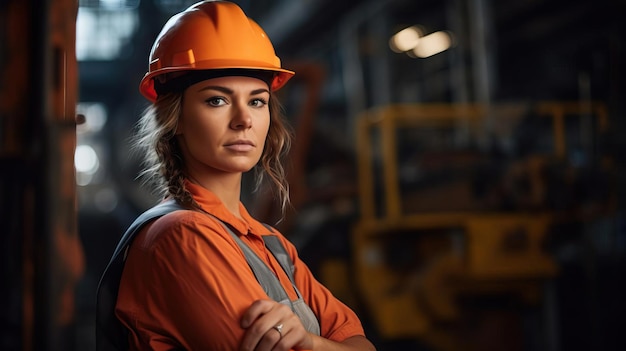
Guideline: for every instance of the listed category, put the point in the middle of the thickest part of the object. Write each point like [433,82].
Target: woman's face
[223,125]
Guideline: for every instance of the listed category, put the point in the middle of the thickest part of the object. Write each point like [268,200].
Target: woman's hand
[273,326]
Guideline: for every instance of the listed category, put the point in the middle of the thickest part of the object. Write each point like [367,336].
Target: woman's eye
[216,101]
[258,102]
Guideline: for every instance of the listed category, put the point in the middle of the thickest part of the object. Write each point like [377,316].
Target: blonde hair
[164,166]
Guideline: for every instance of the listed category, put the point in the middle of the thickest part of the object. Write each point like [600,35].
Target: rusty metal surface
[42,256]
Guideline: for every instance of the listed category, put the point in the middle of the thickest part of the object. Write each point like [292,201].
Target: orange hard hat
[212,35]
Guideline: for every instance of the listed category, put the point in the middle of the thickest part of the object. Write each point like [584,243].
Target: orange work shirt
[186,283]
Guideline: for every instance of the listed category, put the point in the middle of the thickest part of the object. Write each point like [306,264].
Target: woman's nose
[242,118]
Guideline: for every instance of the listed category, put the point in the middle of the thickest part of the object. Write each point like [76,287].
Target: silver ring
[279,329]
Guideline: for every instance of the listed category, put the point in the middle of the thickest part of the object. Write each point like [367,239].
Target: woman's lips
[240,146]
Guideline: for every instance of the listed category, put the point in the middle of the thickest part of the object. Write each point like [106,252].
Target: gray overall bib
[112,335]
[270,282]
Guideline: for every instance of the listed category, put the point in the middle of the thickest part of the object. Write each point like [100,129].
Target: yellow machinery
[417,255]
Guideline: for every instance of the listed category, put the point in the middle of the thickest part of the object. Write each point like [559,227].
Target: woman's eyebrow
[218,88]
[259,91]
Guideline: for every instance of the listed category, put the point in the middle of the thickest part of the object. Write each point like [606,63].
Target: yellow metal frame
[388,118]
[397,312]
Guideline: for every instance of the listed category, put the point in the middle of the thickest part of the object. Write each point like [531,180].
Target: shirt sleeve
[185,284]
[337,321]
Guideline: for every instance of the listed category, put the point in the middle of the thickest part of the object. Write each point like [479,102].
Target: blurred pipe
[480,24]
[352,74]
[351,65]
[51,245]
[38,247]
[458,81]
[458,78]
[479,21]
[587,129]
[551,316]
[379,69]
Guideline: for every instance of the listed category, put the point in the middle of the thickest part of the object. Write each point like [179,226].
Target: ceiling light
[406,39]
[432,44]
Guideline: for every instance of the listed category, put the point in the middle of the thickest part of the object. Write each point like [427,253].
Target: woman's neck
[227,188]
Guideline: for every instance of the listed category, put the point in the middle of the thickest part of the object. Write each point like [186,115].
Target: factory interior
[457,175]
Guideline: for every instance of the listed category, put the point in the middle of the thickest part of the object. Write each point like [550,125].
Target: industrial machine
[458,207]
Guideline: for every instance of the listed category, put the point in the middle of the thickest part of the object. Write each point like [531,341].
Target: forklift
[453,238]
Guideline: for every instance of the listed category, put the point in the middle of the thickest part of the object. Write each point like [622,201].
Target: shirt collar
[210,203]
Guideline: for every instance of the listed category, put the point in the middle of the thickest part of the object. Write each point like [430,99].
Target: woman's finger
[257,309]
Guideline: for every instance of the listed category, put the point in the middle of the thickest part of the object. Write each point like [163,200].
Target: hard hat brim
[146,87]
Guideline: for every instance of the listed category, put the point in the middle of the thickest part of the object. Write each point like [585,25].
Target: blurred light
[109,4]
[83,179]
[432,44]
[86,159]
[113,4]
[171,6]
[106,200]
[95,117]
[406,39]
[101,33]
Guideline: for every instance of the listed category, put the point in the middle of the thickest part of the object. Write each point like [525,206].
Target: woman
[188,281]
